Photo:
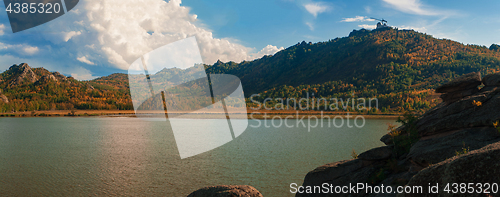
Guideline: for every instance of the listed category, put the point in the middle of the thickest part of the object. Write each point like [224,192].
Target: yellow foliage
[477,103]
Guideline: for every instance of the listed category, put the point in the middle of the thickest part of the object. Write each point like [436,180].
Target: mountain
[398,67]
[366,55]
[23,88]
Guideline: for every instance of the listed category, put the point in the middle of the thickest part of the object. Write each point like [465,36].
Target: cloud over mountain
[121,31]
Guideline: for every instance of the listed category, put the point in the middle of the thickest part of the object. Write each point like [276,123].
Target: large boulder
[451,97]
[387,139]
[467,81]
[227,191]
[376,154]
[478,166]
[492,79]
[340,173]
[440,148]
[460,87]
[462,114]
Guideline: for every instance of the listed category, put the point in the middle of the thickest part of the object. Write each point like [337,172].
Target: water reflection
[122,163]
[128,156]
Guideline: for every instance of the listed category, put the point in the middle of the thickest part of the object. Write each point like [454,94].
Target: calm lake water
[132,157]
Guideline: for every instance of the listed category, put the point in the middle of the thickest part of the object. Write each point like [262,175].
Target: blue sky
[98,38]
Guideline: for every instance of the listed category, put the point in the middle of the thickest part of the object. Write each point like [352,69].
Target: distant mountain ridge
[364,55]
[399,67]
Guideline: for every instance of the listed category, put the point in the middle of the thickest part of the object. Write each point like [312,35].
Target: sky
[101,37]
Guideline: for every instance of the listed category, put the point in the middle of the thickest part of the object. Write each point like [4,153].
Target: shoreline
[251,114]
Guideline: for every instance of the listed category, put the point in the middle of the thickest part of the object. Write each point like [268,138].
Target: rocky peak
[23,67]
[59,76]
[22,73]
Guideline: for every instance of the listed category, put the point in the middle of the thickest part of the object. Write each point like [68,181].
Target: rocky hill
[23,88]
[457,141]
[399,67]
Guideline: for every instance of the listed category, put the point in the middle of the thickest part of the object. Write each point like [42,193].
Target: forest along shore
[251,114]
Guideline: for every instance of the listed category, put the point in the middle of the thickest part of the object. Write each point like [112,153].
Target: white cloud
[76,72]
[368,9]
[419,29]
[118,30]
[79,73]
[4,46]
[357,19]
[19,49]
[86,76]
[367,26]
[317,8]
[85,60]
[268,50]
[2,29]
[69,35]
[415,7]
[30,50]
[310,25]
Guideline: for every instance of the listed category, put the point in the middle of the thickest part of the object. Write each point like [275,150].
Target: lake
[128,156]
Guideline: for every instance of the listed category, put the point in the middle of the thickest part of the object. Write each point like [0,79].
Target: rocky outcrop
[90,87]
[3,98]
[47,78]
[492,79]
[479,166]
[463,123]
[23,73]
[59,76]
[342,173]
[460,87]
[476,110]
[376,154]
[227,191]
[440,148]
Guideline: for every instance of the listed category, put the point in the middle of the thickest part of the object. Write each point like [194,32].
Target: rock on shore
[227,191]
[479,166]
